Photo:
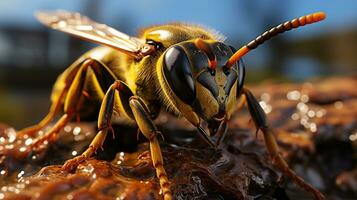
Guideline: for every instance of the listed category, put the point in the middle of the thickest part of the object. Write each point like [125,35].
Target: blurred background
[32,56]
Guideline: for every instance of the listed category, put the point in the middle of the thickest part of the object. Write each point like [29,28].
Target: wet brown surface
[204,173]
[316,125]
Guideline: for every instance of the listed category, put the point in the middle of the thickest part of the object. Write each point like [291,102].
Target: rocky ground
[315,123]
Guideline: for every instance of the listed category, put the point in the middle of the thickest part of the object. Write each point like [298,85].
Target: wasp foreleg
[260,121]
[150,131]
[104,122]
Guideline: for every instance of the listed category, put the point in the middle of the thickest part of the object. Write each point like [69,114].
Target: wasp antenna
[281,28]
[200,44]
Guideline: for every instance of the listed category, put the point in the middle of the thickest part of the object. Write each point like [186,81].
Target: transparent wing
[85,28]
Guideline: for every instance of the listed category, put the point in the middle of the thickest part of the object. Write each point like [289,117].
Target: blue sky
[221,15]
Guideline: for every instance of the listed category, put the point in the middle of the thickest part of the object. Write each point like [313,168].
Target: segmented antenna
[201,44]
[281,28]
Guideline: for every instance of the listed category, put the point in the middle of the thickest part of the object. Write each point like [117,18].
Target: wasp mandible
[183,68]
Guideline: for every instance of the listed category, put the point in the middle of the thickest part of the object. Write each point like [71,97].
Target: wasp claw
[71,165]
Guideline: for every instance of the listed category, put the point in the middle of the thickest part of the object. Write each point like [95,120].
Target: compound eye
[178,74]
[231,79]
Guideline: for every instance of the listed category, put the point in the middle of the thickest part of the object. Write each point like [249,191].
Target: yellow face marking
[208,103]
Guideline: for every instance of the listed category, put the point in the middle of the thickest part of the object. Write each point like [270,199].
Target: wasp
[183,68]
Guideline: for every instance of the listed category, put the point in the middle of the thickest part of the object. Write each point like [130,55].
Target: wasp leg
[71,164]
[104,123]
[76,82]
[260,121]
[57,100]
[136,109]
[150,131]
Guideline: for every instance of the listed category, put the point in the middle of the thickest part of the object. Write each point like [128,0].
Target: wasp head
[200,84]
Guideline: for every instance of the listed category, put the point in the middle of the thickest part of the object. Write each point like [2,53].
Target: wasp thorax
[197,77]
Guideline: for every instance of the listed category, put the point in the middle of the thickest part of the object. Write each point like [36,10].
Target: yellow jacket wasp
[184,68]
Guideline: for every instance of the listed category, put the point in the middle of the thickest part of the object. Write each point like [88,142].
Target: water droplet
[269,109]
[265,97]
[295,116]
[23,149]
[266,107]
[11,134]
[302,107]
[89,168]
[67,128]
[320,113]
[76,130]
[311,113]
[20,174]
[303,121]
[338,104]
[74,153]
[293,95]
[353,136]
[40,133]
[313,127]
[304,98]
[28,141]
